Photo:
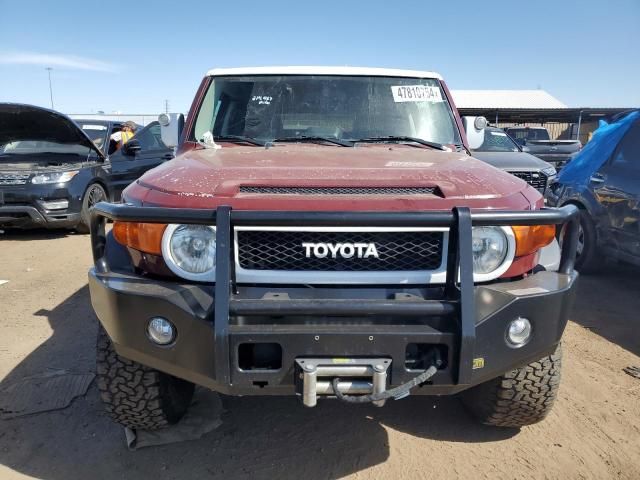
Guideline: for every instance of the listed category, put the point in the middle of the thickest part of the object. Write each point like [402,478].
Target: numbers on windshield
[416,93]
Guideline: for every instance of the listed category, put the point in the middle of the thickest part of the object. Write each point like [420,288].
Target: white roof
[353,71]
[505,99]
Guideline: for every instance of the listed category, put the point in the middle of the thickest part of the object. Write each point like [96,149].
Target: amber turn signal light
[145,237]
[531,239]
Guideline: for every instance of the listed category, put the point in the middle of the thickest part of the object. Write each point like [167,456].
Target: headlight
[190,251]
[550,171]
[54,177]
[492,247]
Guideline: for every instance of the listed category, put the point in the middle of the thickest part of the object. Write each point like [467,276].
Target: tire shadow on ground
[261,437]
[608,303]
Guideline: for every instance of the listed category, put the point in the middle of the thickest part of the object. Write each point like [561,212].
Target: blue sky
[131,56]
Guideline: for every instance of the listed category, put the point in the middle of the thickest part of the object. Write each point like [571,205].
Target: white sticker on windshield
[262,99]
[497,134]
[416,93]
[94,127]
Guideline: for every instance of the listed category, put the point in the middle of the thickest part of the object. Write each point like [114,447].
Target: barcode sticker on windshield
[416,93]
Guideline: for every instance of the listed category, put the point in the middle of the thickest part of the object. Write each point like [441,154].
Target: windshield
[497,141]
[529,133]
[96,132]
[272,107]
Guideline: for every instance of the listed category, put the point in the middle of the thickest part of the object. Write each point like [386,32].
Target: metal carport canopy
[517,115]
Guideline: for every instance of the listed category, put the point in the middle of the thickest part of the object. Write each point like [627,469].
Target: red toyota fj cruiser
[324,232]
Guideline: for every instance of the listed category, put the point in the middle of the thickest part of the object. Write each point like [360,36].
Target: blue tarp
[597,151]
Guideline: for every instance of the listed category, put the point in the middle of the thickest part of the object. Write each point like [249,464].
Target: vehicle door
[144,151]
[617,188]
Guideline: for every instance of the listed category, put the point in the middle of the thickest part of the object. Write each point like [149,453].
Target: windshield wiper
[314,138]
[403,138]
[239,138]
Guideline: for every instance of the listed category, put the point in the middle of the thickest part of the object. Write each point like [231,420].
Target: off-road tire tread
[520,397]
[137,396]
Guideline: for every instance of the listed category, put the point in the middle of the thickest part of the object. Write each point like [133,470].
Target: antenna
[166,106]
[48,69]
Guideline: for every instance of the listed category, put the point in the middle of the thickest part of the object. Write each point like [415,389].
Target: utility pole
[166,106]
[48,69]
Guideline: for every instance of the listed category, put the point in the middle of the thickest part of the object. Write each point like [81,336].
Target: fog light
[55,204]
[161,331]
[518,332]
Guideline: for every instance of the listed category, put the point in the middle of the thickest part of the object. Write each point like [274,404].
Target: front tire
[588,260]
[137,396]
[520,397]
[95,193]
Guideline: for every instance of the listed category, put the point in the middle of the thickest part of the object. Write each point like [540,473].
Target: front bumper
[28,216]
[558,160]
[465,323]
[124,304]
[24,207]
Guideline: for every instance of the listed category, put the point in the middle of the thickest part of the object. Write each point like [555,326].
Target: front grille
[13,178]
[537,180]
[283,250]
[340,190]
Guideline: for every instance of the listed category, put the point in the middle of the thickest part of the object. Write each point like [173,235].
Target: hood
[512,160]
[27,122]
[198,175]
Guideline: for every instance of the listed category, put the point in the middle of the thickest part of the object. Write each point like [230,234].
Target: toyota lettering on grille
[343,250]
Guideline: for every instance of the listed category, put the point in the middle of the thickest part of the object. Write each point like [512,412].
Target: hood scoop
[293,190]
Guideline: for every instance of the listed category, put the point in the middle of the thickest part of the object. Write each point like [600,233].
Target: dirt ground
[47,323]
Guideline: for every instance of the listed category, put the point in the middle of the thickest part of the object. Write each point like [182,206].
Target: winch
[358,376]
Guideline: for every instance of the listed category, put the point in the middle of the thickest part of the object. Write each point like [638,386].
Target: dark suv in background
[609,201]
[53,170]
[501,151]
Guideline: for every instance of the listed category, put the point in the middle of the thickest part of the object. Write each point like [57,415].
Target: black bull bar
[458,300]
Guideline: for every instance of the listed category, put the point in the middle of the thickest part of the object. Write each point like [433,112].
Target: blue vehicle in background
[603,180]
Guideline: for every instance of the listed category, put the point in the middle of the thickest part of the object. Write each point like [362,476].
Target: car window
[96,132]
[529,133]
[269,107]
[497,141]
[150,137]
[627,153]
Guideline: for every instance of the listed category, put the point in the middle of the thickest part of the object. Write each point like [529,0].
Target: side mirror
[132,147]
[521,141]
[480,123]
[525,149]
[171,125]
[475,129]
